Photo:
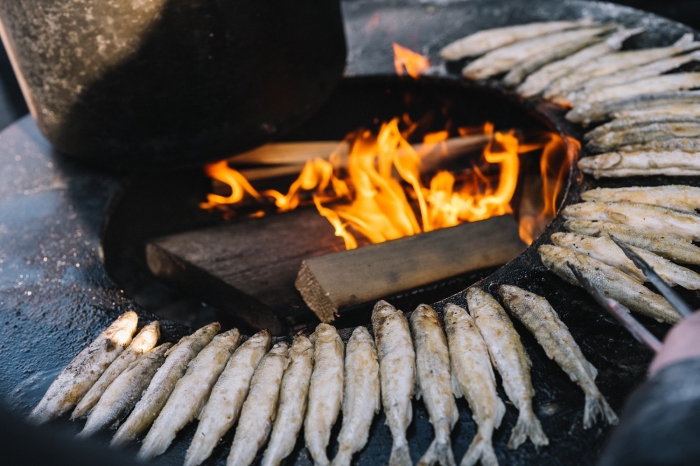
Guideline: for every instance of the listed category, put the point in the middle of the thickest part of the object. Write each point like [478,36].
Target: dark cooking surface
[55,295]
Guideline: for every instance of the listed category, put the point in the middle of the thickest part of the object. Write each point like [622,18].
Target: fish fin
[480,449]
[400,456]
[686,39]
[594,371]
[596,405]
[438,452]
[527,426]
[456,389]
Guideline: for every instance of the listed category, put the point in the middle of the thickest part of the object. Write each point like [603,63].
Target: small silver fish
[586,113]
[668,246]
[625,164]
[292,404]
[643,216]
[85,369]
[142,343]
[682,144]
[612,281]
[677,197]
[538,81]
[227,397]
[667,110]
[636,122]
[490,39]
[123,393]
[434,383]
[190,393]
[473,378]
[554,337]
[260,407]
[652,85]
[325,391]
[605,250]
[361,399]
[642,134]
[510,359]
[162,384]
[505,58]
[397,375]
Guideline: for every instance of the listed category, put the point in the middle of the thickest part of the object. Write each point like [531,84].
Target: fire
[414,63]
[380,192]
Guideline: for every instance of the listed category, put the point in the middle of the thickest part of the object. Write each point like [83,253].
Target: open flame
[378,189]
[414,63]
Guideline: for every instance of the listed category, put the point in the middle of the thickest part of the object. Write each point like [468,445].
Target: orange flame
[414,63]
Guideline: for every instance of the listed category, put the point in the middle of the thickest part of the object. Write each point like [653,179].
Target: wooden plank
[331,282]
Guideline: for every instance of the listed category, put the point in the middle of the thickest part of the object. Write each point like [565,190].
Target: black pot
[132,84]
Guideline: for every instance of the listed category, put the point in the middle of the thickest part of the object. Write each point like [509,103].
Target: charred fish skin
[434,382]
[292,405]
[361,398]
[162,384]
[605,250]
[397,375]
[541,79]
[677,197]
[473,378]
[325,391]
[490,39]
[260,407]
[124,392]
[224,404]
[190,394]
[612,281]
[85,369]
[512,362]
[142,343]
[649,218]
[559,345]
[667,246]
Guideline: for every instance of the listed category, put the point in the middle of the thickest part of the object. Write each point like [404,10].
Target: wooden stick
[348,278]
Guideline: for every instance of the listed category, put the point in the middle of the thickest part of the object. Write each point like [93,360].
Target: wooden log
[334,281]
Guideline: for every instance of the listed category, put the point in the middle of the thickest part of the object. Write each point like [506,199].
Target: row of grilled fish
[272,392]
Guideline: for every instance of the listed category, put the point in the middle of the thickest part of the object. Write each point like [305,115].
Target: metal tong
[620,312]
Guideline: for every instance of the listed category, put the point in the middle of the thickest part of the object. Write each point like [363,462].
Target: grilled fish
[677,197]
[554,337]
[361,399]
[510,359]
[473,378]
[612,281]
[84,370]
[605,250]
[325,391]
[260,407]
[685,145]
[292,404]
[595,111]
[124,391]
[629,123]
[616,62]
[142,343]
[630,76]
[668,110]
[397,375]
[434,383]
[190,394]
[505,58]
[643,134]
[666,83]
[645,217]
[160,388]
[538,81]
[667,246]
[227,397]
[647,163]
[490,39]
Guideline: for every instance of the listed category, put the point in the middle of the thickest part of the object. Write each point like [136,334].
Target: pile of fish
[655,129]
[269,390]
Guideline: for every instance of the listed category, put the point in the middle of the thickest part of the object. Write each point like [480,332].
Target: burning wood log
[331,282]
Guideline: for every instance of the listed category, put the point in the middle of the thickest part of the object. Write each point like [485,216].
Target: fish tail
[596,405]
[343,457]
[439,452]
[527,426]
[400,455]
[480,449]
